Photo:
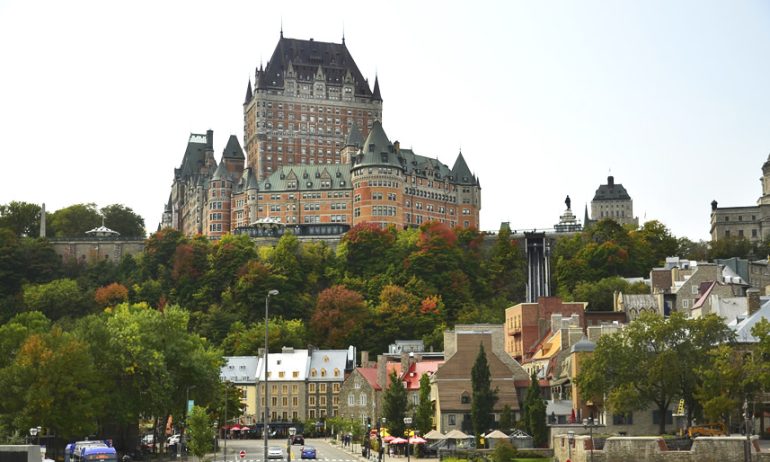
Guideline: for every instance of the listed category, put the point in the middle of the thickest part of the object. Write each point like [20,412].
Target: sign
[242,454]
[190,405]
[680,409]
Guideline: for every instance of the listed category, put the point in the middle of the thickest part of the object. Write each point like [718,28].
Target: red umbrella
[398,440]
[235,427]
[417,440]
[245,429]
[388,438]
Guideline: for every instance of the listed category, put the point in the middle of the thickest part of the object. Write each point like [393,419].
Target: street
[254,451]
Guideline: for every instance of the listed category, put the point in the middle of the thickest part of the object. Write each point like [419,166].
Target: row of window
[754,233]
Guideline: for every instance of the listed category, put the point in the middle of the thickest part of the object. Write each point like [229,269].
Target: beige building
[748,222]
[612,201]
[240,371]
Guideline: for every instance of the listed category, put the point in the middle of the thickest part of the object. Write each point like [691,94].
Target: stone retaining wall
[654,449]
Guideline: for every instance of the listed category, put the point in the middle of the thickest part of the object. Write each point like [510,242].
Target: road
[255,451]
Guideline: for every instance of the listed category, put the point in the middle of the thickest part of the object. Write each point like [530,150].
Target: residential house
[241,371]
[328,369]
[287,379]
[527,323]
[451,387]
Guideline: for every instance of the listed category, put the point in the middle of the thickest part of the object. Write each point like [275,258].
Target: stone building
[308,171]
[612,201]
[750,222]
[304,103]
[328,370]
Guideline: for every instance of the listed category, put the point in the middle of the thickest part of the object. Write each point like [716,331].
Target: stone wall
[654,449]
[21,453]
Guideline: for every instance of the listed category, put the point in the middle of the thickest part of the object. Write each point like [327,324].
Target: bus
[90,451]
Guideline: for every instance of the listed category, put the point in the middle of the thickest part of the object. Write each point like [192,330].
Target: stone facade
[96,249]
[612,201]
[748,222]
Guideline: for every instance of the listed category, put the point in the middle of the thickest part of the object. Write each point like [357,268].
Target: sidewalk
[374,457]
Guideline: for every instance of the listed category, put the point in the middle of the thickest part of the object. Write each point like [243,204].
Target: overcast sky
[545,98]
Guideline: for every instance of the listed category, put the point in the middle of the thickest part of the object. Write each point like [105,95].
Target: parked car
[274,452]
[308,452]
[173,439]
[298,439]
[709,429]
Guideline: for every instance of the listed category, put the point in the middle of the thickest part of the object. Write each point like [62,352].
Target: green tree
[724,383]
[423,415]
[506,268]
[200,432]
[122,219]
[599,294]
[506,419]
[21,218]
[363,241]
[75,220]
[58,298]
[52,382]
[394,405]
[483,397]
[535,413]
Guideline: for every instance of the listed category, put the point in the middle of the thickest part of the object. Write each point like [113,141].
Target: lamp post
[570,440]
[184,427]
[224,450]
[590,424]
[267,392]
[746,424]
[407,422]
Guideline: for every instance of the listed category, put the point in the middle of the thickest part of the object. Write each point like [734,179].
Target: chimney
[210,139]
[364,359]
[611,181]
[382,372]
[555,322]
[753,298]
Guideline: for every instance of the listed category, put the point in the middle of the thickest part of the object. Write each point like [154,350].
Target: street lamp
[407,422]
[590,424]
[267,392]
[570,440]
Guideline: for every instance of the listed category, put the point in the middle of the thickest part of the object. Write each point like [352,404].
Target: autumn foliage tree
[339,317]
[111,295]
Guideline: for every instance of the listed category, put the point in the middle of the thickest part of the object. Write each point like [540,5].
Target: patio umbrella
[398,440]
[245,429]
[388,438]
[497,434]
[236,427]
[417,440]
[456,435]
[434,435]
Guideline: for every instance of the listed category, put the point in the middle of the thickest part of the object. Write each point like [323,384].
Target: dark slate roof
[583,345]
[415,164]
[611,191]
[308,178]
[355,138]
[461,173]
[376,94]
[305,57]
[221,172]
[233,149]
[249,93]
[377,149]
[194,156]
[247,181]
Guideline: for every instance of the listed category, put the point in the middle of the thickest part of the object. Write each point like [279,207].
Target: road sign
[242,454]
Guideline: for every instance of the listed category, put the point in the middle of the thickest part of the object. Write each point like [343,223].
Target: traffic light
[368,424]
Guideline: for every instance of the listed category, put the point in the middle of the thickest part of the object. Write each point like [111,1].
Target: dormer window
[465,399]
[384,156]
[371,147]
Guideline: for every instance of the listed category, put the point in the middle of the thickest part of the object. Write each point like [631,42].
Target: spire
[249,94]
[376,94]
[355,138]
[343,32]
[461,172]
[233,149]
[281,26]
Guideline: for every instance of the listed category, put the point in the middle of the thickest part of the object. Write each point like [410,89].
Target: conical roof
[233,149]
[376,93]
[462,174]
[377,149]
[220,173]
[249,93]
[355,138]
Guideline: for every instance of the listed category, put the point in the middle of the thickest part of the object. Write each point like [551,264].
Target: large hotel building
[317,157]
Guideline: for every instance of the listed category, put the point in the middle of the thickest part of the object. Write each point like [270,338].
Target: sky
[544,98]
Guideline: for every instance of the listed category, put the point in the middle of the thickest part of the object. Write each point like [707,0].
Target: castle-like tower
[317,154]
[304,103]
[612,201]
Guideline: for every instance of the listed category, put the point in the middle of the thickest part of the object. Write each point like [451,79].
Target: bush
[504,452]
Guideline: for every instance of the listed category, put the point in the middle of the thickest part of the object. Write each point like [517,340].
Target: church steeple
[376,93]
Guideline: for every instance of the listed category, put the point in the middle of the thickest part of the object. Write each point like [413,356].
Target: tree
[483,397]
[122,219]
[200,432]
[723,386]
[423,415]
[535,412]
[599,294]
[361,243]
[394,405]
[506,268]
[75,220]
[52,382]
[111,295]
[339,317]
[58,298]
[21,218]
[506,419]
[669,351]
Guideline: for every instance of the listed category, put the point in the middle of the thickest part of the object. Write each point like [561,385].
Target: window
[694,289]
[322,388]
[294,389]
[465,399]
[335,388]
[351,399]
[451,419]
[311,388]
[686,304]
[656,417]
[362,399]
[311,401]
[620,419]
